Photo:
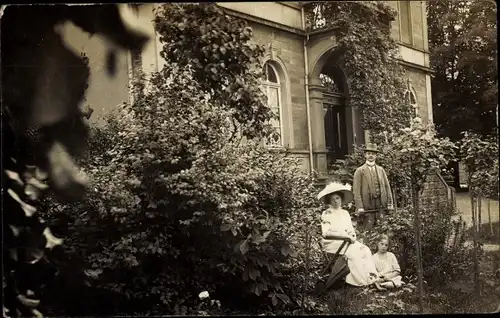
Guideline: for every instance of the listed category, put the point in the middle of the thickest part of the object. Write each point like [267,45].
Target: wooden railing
[450,191]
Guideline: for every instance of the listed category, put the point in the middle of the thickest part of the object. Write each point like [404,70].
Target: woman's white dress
[359,257]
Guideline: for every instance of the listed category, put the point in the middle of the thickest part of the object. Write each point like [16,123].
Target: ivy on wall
[376,80]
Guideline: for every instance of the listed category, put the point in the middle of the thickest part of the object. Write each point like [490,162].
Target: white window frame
[410,22]
[267,84]
[411,91]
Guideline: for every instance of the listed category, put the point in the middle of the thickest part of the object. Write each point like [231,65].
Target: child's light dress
[387,263]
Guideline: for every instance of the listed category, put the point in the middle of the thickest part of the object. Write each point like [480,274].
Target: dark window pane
[271,75]
[404,16]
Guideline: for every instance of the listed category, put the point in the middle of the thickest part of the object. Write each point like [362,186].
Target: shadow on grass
[485,233]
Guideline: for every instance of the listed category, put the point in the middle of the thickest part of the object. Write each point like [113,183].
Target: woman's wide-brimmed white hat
[333,187]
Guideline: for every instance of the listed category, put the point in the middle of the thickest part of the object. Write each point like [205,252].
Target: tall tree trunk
[456,238]
[474,240]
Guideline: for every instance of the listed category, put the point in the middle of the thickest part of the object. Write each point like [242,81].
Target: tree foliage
[463,55]
[225,63]
[480,155]
[44,130]
[423,152]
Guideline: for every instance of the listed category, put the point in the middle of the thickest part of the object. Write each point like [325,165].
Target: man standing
[371,189]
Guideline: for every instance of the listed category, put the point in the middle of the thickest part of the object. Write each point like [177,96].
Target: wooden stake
[489,218]
[394,199]
[474,240]
[306,269]
[416,214]
[479,213]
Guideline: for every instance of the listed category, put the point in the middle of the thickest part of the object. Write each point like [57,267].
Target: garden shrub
[184,197]
[441,262]
[178,207]
[414,150]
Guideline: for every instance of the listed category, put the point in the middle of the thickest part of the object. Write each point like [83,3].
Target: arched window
[412,100]
[329,83]
[272,87]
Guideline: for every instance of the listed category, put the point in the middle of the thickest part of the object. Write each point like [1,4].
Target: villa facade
[316,122]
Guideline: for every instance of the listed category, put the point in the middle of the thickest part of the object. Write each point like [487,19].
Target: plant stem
[489,218]
[306,270]
[474,240]
[416,213]
[479,212]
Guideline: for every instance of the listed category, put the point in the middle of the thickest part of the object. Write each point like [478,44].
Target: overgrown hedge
[178,208]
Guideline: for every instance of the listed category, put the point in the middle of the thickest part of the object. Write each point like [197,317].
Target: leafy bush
[178,207]
[181,203]
[224,62]
[480,154]
[442,261]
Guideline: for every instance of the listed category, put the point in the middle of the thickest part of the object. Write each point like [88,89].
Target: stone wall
[418,24]
[436,191]
[105,93]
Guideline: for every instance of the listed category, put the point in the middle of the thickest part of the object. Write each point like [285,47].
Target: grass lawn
[456,297]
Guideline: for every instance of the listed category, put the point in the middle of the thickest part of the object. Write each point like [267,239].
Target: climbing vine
[375,78]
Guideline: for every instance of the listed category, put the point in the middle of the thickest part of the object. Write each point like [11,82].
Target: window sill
[276,148]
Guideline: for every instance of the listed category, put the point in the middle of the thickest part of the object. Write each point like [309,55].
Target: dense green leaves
[414,151]
[463,47]
[224,62]
[480,155]
[182,207]
[423,152]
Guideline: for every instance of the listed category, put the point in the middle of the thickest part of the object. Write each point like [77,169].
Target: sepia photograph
[250,158]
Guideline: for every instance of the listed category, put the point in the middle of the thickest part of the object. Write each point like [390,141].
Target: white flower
[203,295]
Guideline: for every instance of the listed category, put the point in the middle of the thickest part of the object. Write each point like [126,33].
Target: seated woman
[387,265]
[337,221]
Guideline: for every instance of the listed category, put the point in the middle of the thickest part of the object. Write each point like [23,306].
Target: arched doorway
[334,107]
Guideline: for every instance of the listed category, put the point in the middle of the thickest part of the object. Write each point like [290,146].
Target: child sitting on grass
[387,265]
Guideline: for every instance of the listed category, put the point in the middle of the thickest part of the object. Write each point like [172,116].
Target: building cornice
[300,32]
[321,31]
[263,21]
[422,68]
[412,47]
[294,5]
